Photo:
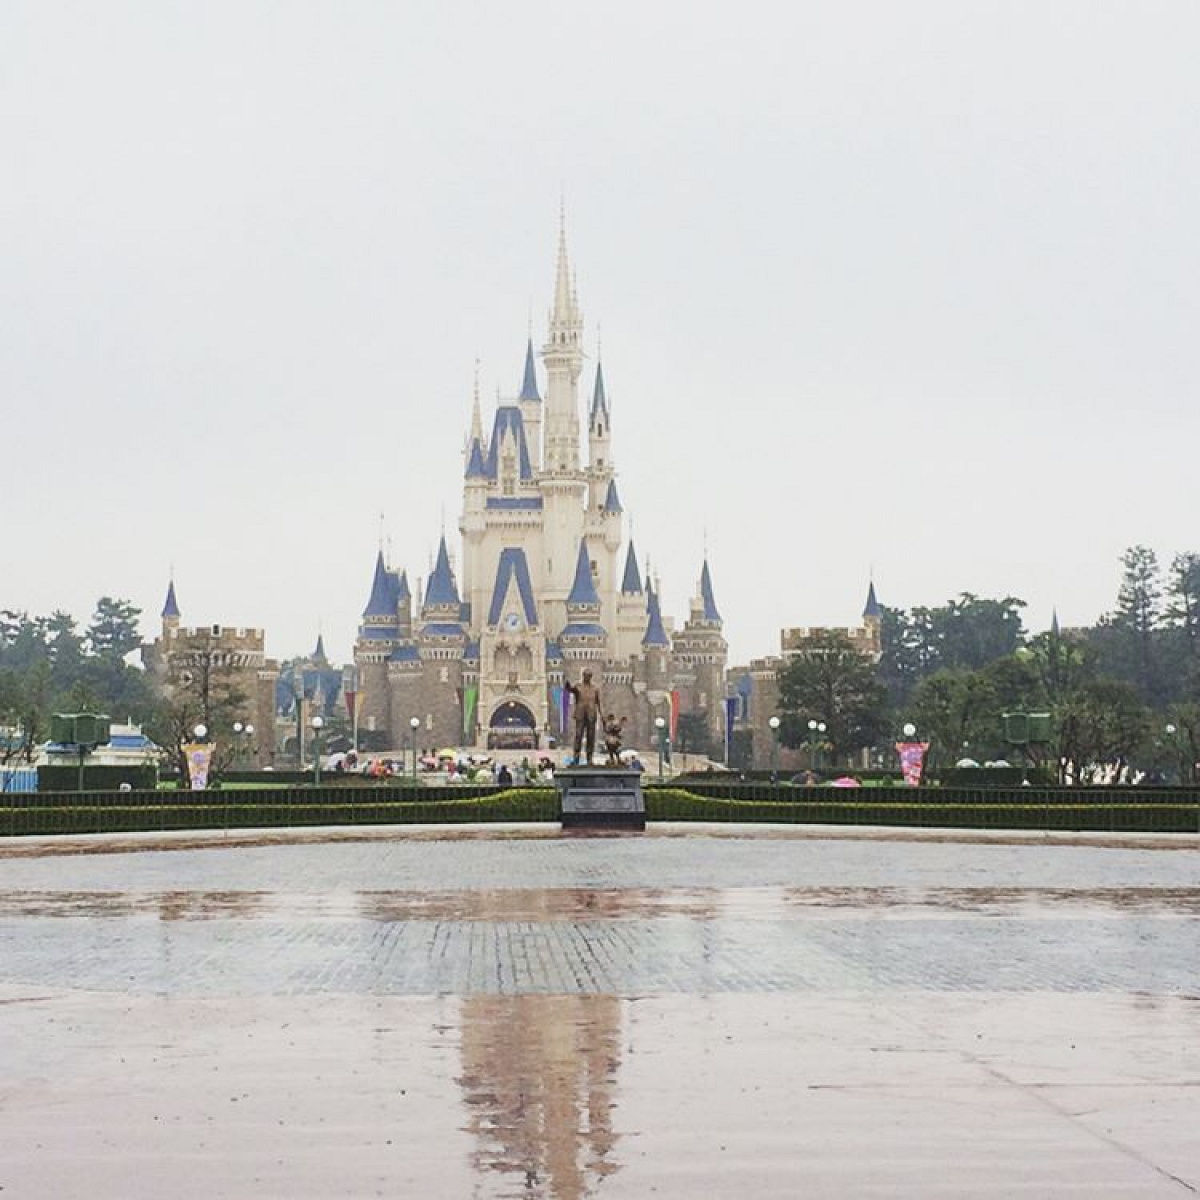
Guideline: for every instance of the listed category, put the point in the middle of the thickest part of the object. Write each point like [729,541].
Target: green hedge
[1116,810]
[678,804]
[130,812]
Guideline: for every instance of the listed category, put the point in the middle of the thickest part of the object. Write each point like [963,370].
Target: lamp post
[815,728]
[318,723]
[242,733]
[414,723]
[660,724]
[1170,731]
[774,724]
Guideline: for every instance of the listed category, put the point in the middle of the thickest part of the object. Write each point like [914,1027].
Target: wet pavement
[679,1014]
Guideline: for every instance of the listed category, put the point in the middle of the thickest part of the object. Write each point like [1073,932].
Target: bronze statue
[587,710]
[612,739]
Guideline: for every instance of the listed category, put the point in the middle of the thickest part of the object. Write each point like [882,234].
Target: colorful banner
[912,759]
[674,723]
[564,710]
[730,713]
[350,698]
[470,704]
[199,756]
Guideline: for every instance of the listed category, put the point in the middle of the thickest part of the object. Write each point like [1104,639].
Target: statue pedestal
[600,798]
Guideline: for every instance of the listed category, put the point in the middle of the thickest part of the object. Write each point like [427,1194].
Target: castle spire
[441,590]
[529,385]
[171,606]
[631,583]
[599,407]
[476,419]
[655,634]
[872,609]
[583,590]
[706,594]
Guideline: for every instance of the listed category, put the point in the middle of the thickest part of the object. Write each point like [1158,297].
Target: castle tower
[563,483]
[872,619]
[170,613]
[441,643]
[631,610]
[584,638]
[530,402]
[701,651]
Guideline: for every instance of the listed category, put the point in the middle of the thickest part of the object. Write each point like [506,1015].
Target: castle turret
[170,612]
[531,407]
[700,654]
[631,609]
[583,637]
[872,619]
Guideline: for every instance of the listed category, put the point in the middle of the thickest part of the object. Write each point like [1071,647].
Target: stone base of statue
[600,798]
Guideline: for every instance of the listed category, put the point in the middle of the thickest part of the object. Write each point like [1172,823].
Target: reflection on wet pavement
[539,1076]
[610,1018]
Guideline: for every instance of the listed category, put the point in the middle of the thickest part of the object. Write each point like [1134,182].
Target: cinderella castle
[550,586]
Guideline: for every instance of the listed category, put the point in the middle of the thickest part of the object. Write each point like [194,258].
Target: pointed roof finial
[1054,629]
[318,654]
[476,418]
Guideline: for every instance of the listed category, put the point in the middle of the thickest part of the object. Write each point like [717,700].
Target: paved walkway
[688,1013]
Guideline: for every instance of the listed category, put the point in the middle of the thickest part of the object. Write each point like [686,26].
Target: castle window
[445,674]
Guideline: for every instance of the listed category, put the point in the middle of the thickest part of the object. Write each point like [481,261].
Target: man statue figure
[587,710]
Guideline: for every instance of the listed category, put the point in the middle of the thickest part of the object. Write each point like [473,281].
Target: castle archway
[512,727]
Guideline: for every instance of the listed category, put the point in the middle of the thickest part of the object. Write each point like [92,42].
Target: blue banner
[731,703]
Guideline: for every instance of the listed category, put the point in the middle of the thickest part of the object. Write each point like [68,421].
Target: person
[504,775]
[587,709]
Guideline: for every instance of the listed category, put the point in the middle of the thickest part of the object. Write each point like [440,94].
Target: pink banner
[912,759]
[199,755]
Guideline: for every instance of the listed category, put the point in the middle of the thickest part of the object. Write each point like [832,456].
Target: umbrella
[447,753]
[966,762]
[846,781]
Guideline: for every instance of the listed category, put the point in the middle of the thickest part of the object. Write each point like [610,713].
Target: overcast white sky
[912,285]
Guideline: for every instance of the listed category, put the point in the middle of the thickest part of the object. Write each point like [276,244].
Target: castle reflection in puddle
[538,1080]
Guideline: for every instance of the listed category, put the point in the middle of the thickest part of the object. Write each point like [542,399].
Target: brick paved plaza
[687,1013]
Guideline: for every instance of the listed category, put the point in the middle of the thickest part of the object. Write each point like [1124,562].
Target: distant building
[181,659]
[756,685]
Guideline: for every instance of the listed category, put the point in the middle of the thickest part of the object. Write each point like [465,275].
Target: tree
[832,681]
[1100,725]
[1125,638]
[958,713]
[113,632]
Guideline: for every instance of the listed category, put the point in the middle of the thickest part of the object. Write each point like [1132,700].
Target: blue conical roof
[401,587]
[612,502]
[318,654]
[655,634]
[1054,629]
[583,590]
[706,595]
[441,588]
[475,467]
[170,606]
[529,387]
[631,584]
[599,397]
[382,600]
[872,608]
